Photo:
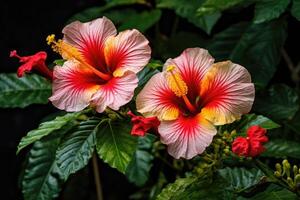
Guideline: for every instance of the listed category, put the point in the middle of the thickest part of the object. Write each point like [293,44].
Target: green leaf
[189,11]
[266,10]
[259,50]
[77,147]
[242,44]
[294,123]
[42,178]
[115,145]
[59,62]
[138,169]
[282,148]
[240,178]
[273,192]
[280,103]
[21,92]
[253,119]
[296,9]
[62,122]
[196,188]
[141,21]
[213,6]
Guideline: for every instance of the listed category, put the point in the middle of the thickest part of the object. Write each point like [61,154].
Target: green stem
[97,177]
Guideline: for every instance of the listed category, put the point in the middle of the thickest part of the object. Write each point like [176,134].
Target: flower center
[69,52]
[178,86]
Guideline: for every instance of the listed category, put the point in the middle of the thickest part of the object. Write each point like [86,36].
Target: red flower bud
[33,62]
[141,124]
[251,146]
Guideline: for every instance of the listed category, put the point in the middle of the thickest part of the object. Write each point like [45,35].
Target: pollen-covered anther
[175,82]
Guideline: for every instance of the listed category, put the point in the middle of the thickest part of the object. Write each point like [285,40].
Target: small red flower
[33,62]
[252,145]
[142,124]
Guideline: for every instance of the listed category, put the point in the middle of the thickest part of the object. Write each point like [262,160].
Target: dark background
[24,27]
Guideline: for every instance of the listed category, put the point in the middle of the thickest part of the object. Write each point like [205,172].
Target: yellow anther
[175,82]
[50,39]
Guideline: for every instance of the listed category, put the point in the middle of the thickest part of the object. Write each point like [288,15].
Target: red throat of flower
[33,62]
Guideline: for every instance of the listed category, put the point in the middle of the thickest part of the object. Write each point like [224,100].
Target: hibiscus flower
[193,95]
[101,65]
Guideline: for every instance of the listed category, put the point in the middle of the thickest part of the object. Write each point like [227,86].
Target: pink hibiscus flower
[101,65]
[191,96]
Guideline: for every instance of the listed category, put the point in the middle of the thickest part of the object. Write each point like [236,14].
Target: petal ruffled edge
[115,93]
[73,86]
[186,137]
[128,51]
[226,93]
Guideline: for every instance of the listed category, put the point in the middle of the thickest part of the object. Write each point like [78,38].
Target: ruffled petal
[116,92]
[89,38]
[128,51]
[157,99]
[73,86]
[226,93]
[186,137]
[192,64]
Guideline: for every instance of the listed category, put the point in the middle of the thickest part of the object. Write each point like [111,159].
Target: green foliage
[138,169]
[61,122]
[271,193]
[266,10]
[296,9]
[213,6]
[77,147]
[279,103]
[115,145]
[189,11]
[281,148]
[43,178]
[252,119]
[240,178]
[22,92]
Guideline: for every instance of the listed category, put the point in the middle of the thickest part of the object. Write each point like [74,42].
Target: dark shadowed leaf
[115,145]
[281,148]
[266,10]
[296,9]
[213,6]
[42,179]
[138,169]
[22,92]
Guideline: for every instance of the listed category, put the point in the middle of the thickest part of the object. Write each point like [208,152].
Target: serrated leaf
[189,11]
[42,178]
[77,147]
[279,103]
[21,92]
[266,10]
[240,178]
[271,193]
[262,121]
[282,148]
[115,145]
[138,169]
[296,9]
[62,122]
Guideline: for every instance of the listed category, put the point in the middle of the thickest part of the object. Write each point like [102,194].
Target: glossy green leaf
[273,192]
[282,148]
[262,121]
[213,6]
[138,169]
[240,178]
[115,145]
[42,179]
[296,9]
[77,147]
[189,11]
[266,10]
[22,92]
[279,103]
[62,122]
